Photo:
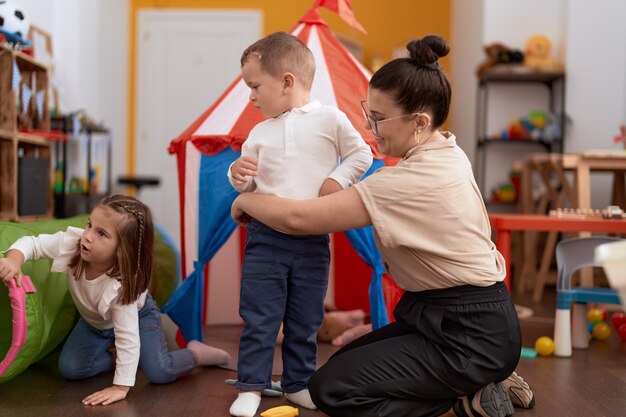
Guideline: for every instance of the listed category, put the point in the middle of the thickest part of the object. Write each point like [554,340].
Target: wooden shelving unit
[17,147]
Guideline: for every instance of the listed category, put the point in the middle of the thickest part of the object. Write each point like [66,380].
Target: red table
[503,224]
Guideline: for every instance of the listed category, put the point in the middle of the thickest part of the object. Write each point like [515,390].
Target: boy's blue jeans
[85,352]
[284,279]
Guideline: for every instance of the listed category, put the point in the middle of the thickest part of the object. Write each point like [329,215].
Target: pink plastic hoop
[17,297]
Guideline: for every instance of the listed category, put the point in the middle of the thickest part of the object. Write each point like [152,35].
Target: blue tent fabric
[363,242]
[215,196]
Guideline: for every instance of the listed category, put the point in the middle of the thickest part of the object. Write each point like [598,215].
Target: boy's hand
[11,268]
[243,167]
[329,186]
[107,396]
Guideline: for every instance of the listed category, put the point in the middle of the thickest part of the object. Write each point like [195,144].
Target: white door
[186,59]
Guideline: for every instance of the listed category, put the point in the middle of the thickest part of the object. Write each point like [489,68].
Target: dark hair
[135,249]
[282,52]
[417,82]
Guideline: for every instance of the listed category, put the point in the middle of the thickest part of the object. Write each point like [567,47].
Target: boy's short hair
[282,52]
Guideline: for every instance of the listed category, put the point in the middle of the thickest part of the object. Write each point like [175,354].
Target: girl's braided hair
[134,251]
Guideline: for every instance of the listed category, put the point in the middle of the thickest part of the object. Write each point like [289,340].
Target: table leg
[503,244]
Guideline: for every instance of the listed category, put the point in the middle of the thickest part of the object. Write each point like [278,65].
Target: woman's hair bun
[428,49]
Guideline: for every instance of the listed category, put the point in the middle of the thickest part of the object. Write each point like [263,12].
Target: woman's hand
[239,216]
[107,396]
[11,268]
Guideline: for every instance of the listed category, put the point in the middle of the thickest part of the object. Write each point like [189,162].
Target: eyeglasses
[373,124]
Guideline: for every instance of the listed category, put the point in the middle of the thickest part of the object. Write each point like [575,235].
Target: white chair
[571,255]
[612,257]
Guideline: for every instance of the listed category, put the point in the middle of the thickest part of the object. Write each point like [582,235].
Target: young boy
[293,154]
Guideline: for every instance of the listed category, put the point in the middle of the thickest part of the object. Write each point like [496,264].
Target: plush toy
[339,327]
[13,22]
[538,55]
[497,54]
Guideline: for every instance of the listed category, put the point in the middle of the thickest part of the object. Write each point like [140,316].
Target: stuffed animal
[498,53]
[339,327]
[538,55]
[13,22]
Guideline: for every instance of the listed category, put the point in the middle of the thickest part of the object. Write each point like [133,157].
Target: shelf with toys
[538,129]
[25,191]
[508,81]
[78,186]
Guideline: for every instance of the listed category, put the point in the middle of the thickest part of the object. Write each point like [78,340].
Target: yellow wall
[389,23]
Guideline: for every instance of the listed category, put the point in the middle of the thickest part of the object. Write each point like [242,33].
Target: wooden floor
[592,383]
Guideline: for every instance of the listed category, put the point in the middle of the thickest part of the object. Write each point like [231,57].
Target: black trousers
[444,344]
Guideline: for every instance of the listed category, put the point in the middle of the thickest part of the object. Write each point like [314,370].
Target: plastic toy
[282,411]
[621,137]
[527,127]
[594,315]
[601,331]
[528,353]
[544,346]
[618,318]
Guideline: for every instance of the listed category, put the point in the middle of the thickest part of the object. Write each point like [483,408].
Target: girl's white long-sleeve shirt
[299,149]
[96,299]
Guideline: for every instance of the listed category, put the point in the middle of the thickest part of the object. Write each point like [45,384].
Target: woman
[456,332]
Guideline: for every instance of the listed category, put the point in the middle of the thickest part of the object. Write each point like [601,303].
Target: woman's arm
[332,213]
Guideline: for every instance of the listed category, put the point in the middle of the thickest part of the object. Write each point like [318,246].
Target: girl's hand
[10,269]
[107,396]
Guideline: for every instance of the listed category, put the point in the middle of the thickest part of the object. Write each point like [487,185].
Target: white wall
[596,87]
[90,46]
[591,40]
[466,41]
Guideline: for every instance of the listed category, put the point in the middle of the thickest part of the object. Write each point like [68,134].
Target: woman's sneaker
[519,391]
[490,401]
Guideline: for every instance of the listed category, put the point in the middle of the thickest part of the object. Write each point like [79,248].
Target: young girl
[109,265]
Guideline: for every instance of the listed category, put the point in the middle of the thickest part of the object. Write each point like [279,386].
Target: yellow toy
[282,411]
[538,55]
[544,346]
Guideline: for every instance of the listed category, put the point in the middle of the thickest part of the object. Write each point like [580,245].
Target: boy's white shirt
[96,300]
[299,149]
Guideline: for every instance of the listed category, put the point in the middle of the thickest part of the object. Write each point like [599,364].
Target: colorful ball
[621,331]
[594,315]
[545,345]
[605,314]
[618,318]
[601,331]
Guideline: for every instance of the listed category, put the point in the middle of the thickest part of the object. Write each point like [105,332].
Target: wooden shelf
[32,139]
[24,158]
[520,73]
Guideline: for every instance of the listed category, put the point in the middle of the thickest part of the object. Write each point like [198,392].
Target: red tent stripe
[349,89]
